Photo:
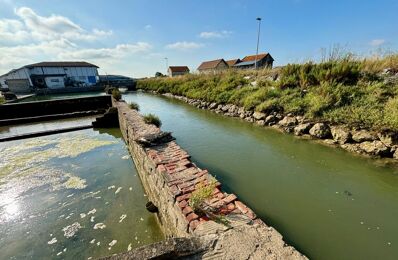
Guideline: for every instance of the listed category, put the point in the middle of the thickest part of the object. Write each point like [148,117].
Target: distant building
[248,62]
[177,71]
[232,63]
[52,75]
[212,66]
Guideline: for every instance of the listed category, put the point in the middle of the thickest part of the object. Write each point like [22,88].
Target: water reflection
[64,179]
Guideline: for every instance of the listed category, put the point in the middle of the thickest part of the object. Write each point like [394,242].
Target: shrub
[152,120]
[116,94]
[2,100]
[134,106]
[391,112]
[201,194]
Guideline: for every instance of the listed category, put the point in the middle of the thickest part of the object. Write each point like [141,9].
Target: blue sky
[133,37]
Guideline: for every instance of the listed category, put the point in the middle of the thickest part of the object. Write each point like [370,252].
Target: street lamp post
[258,41]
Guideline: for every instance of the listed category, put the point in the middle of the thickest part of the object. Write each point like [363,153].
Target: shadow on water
[328,203]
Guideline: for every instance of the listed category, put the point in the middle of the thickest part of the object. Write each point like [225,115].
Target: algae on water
[27,165]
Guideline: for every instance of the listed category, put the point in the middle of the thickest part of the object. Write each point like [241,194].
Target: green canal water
[326,202]
[71,196]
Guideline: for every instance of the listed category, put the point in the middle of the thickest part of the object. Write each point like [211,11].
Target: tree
[159,74]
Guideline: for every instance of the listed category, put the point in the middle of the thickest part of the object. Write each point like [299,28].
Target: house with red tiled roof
[233,62]
[213,66]
[262,60]
[174,71]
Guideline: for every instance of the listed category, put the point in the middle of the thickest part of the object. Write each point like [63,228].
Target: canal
[70,196]
[328,203]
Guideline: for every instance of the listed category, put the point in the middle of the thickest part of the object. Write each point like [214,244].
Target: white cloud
[30,38]
[377,42]
[34,28]
[184,46]
[215,34]
[118,51]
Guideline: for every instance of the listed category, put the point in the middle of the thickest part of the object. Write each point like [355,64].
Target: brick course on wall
[169,177]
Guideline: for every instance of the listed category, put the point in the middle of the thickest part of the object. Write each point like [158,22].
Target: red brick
[231,206]
[216,190]
[175,191]
[251,214]
[188,190]
[230,198]
[187,210]
[183,197]
[182,204]
[193,225]
[192,216]
[220,195]
[242,207]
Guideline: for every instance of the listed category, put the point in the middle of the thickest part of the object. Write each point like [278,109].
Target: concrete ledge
[169,177]
[53,107]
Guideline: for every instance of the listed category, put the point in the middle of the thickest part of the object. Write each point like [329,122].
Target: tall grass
[340,89]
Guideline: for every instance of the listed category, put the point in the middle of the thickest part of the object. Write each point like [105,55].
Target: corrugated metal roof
[246,63]
[61,64]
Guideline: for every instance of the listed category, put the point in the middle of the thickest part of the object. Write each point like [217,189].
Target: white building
[51,75]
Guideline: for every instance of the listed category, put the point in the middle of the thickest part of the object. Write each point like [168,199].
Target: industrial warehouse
[50,75]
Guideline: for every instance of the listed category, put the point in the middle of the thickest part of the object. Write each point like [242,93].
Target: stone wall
[169,177]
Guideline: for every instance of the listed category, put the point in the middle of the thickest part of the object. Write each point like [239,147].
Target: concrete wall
[51,107]
[169,178]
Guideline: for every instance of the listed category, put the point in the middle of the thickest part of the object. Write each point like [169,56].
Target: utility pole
[258,41]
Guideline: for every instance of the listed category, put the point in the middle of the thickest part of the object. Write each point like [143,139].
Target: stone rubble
[356,140]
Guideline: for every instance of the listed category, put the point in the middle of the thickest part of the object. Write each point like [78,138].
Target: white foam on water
[59,253]
[92,241]
[64,249]
[99,226]
[98,243]
[52,241]
[131,188]
[92,219]
[129,247]
[111,244]
[122,217]
[82,215]
[91,212]
[70,231]
[141,219]
[111,187]
[98,197]
[70,195]
[126,157]
[118,190]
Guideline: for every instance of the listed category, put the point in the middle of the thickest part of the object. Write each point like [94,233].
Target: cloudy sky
[134,37]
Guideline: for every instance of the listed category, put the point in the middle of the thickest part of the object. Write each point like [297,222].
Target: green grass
[116,94]
[2,100]
[152,120]
[134,106]
[340,90]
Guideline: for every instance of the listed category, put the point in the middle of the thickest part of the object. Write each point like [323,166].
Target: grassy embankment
[345,90]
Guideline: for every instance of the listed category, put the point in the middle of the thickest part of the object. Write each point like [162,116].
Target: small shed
[174,71]
[213,66]
[233,62]
[263,60]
